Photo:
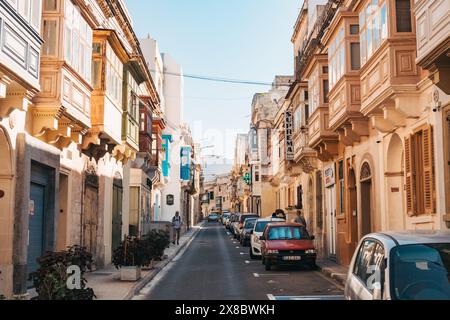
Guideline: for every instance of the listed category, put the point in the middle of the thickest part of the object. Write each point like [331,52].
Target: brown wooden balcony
[433,40]
[321,138]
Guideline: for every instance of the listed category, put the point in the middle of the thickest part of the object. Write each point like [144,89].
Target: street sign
[289,132]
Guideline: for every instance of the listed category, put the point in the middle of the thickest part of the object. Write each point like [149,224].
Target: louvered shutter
[428,171]
[410,196]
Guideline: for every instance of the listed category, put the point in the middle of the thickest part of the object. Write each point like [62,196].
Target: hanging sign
[289,132]
[329,176]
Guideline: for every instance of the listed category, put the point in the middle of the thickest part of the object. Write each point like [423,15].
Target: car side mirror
[313,237]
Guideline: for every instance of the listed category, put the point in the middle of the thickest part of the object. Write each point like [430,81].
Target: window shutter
[428,171]
[410,205]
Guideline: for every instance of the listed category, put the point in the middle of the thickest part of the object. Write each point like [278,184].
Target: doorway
[117,212]
[62,223]
[90,214]
[331,223]
[352,209]
[366,200]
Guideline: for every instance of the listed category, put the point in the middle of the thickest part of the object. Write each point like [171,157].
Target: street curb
[144,281]
[340,278]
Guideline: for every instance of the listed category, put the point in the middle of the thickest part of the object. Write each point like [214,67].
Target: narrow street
[216,267]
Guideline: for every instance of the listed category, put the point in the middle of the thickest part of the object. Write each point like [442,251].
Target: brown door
[90,219]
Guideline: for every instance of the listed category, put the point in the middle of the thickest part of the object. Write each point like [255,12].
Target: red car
[287,244]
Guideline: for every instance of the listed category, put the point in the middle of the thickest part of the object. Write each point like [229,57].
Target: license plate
[292,258]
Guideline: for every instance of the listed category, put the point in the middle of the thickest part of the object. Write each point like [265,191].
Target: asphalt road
[215,267]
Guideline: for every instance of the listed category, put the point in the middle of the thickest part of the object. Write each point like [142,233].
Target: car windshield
[244,218]
[421,272]
[288,233]
[249,223]
[260,226]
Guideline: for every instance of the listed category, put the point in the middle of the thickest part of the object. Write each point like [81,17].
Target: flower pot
[130,273]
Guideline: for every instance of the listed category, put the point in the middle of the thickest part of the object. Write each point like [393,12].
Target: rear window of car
[250,223]
[288,233]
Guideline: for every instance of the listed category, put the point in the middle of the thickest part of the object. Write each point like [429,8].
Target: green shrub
[156,241]
[131,252]
[50,280]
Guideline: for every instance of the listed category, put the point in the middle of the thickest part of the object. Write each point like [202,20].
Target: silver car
[400,266]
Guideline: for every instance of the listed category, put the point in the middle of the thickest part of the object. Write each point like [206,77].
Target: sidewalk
[333,270]
[106,282]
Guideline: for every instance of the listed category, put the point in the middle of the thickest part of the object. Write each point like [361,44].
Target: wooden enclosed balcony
[105,135]
[433,40]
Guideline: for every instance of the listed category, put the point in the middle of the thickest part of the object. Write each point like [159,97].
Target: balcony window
[326,90]
[336,57]
[373,28]
[314,88]
[77,41]
[50,41]
[114,75]
[297,119]
[30,10]
[355,56]
[403,15]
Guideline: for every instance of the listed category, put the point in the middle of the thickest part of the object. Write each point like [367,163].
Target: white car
[258,230]
[409,265]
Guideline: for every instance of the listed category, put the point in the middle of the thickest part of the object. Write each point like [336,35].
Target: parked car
[246,231]
[409,265]
[230,222]
[225,215]
[239,223]
[213,217]
[255,243]
[287,244]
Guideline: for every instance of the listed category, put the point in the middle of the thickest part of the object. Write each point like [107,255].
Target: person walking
[300,218]
[177,222]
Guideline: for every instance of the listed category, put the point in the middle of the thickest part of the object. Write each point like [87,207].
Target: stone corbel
[351,134]
[398,119]
[45,119]
[381,124]
[18,99]
[408,104]
[344,138]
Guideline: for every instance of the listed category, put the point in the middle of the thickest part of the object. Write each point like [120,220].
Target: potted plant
[155,242]
[52,278]
[129,258]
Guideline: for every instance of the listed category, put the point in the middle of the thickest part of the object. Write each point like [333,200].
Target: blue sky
[239,39]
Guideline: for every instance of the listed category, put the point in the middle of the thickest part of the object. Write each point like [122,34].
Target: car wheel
[313,266]
[252,256]
[267,265]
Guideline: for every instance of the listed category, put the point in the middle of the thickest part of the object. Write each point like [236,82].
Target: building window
[314,85]
[336,58]
[297,119]
[30,10]
[354,29]
[420,176]
[355,56]
[403,15]
[326,90]
[134,92]
[77,41]
[373,28]
[50,41]
[256,176]
[114,75]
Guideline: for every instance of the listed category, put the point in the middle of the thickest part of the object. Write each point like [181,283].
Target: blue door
[36,226]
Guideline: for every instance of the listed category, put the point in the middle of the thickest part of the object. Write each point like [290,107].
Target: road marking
[242,253]
[247,262]
[237,247]
[305,298]
[257,275]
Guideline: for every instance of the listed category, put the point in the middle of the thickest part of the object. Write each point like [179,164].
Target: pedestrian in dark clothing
[300,218]
[177,222]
